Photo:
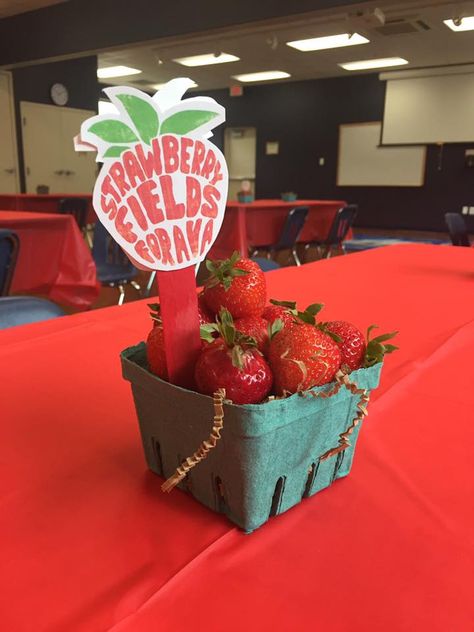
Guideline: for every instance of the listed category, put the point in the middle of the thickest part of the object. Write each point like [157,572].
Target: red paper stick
[180,316]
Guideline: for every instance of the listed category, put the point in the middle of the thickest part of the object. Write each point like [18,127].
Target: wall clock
[59,94]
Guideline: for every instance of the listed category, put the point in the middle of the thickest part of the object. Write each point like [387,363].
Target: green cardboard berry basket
[270,456]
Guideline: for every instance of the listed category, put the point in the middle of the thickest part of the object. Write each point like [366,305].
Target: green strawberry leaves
[143,116]
[207,332]
[155,313]
[113,131]
[224,271]
[310,313]
[376,349]
[234,340]
[275,327]
[288,304]
[186,121]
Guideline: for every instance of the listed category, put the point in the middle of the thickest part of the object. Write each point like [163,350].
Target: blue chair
[457,229]
[22,310]
[114,268]
[340,226]
[266,264]
[9,248]
[289,235]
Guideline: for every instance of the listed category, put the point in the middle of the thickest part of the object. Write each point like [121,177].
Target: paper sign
[162,190]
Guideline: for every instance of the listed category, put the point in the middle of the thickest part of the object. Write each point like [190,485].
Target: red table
[260,223]
[42,203]
[54,259]
[90,543]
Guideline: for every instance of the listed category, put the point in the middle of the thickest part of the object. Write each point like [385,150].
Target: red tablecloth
[43,203]
[260,223]
[54,259]
[89,542]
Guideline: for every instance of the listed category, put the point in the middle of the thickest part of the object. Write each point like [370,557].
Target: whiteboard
[438,109]
[363,163]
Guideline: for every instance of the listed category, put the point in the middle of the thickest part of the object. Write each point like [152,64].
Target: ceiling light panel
[267,75]
[367,64]
[461,24]
[206,60]
[116,71]
[331,41]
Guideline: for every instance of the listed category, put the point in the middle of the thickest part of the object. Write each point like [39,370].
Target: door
[80,166]
[8,153]
[50,159]
[240,149]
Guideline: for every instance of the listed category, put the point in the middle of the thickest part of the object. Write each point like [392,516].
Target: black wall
[34,83]
[304,117]
[78,26]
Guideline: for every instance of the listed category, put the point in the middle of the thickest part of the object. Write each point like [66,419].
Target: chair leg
[135,285]
[149,285]
[121,289]
[295,256]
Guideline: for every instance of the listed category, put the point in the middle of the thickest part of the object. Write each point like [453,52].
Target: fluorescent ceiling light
[116,71]
[158,86]
[365,64]
[331,41]
[267,75]
[206,60]
[461,24]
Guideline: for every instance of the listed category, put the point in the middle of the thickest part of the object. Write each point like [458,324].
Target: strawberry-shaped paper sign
[161,194]
[163,188]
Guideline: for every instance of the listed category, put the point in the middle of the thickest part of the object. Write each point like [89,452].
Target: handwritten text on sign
[166,202]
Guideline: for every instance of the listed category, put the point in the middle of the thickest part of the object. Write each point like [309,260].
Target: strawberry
[256,327]
[284,310]
[155,348]
[233,362]
[350,340]
[236,284]
[204,314]
[302,356]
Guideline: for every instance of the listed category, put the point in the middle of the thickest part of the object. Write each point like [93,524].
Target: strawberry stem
[376,349]
[224,271]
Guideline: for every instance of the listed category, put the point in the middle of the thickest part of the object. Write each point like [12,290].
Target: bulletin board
[362,162]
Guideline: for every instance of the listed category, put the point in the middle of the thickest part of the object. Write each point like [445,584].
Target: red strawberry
[204,314]
[237,285]
[155,351]
[351,342]
[256,327]
[302,356]
[234,363]
[284,310]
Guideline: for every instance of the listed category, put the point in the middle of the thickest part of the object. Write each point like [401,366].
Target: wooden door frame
[16,165]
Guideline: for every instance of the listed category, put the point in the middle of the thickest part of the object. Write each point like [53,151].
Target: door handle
[69,173]
[59,172]
[10,171]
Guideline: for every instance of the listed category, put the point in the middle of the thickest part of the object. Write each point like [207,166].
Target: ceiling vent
[401,26]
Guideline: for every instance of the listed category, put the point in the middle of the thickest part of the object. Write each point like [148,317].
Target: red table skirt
[54,259]
[88,542]
[43,203]
[260,224]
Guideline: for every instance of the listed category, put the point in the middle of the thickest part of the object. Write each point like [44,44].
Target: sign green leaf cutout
[114,151]
[143,115]
[186,121]
[113,131]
